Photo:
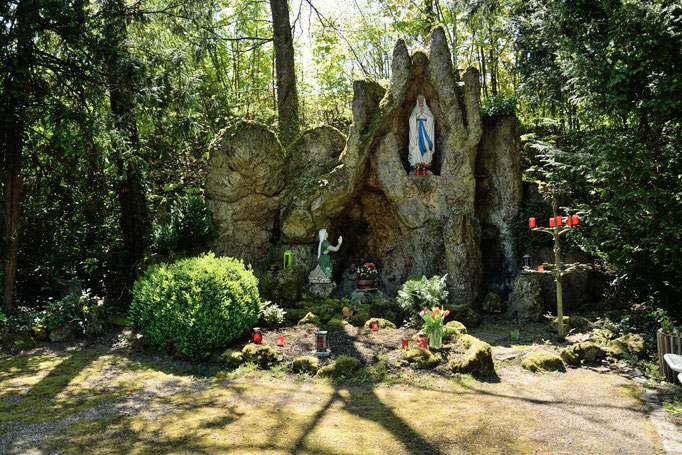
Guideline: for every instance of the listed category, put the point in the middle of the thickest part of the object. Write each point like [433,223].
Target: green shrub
[186,225]
[195,305]
[416,294]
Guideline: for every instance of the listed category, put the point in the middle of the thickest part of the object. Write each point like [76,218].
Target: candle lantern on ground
[423,340]
[280,341]
[526,260]
[257,335]
[321,346]
[374,325]
[406,343]
[288,259]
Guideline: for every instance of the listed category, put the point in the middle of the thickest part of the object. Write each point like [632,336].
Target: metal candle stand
[321,346]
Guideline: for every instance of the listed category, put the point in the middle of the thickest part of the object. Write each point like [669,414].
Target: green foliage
[186,225]
[497,106]
[195,305]
[416,294]
[271,314]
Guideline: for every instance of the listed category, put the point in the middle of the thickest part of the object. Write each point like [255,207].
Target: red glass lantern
[406,343]
[551,222]
[257,336]
[423,340]
[576,220]
[569,221]
[558,220]
[531,222]
[541,268]
[280,341]
[374,325]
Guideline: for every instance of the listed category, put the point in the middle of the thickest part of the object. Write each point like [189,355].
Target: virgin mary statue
[421,134]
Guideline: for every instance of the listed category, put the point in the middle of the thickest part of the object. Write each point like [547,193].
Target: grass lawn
[105,398]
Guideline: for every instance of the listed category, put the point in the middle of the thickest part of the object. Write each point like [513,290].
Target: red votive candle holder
[576,220]
[569,221]
[374,325]
[531,222]
[551,222]
[541,268]
[406,343]
[558,220]
[280,341]
[257,336]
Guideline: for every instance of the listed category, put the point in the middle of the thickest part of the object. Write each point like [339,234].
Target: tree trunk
[15,103]
[429,16]
[134,218]
[287,97]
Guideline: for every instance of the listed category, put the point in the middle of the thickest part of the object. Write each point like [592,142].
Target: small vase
[365,284]
[436,340]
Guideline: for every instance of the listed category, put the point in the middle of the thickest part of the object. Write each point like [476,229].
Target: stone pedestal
[364,296]
[319,291]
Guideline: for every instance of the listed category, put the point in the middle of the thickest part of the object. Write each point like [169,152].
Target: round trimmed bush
[195,305]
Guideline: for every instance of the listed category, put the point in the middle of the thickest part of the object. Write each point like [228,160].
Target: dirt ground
[103,397]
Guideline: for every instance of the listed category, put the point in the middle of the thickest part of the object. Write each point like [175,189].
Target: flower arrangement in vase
[434,325]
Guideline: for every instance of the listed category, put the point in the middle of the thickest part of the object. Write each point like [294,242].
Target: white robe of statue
[421,111]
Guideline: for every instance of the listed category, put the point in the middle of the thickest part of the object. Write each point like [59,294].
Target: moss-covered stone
[23,340]
[542,361]
[383,307]
[492,303]
[305,364]
[295,314]
[454,329]
[359,318]
[310,318]
[477,360]
[603,336]
[463,313]
[261,354]
[631,344]
[573,323]
[421,359]
[337,321]
[576,353]
[343,366]
[381,323]
[229,358]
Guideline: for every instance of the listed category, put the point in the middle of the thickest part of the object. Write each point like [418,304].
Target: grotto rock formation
[414,225]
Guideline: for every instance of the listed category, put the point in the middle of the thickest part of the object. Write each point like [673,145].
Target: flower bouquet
[421,168]
[434,324]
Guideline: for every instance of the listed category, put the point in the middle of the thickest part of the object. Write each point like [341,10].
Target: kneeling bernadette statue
[322,273]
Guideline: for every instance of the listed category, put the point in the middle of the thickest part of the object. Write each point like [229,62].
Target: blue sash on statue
[423,135]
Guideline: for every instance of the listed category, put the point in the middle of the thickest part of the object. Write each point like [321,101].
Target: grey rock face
[246,173]
[525,301]
[498,199]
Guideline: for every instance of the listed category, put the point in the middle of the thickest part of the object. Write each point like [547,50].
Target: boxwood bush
[195,305]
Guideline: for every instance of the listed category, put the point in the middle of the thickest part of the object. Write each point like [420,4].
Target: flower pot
[365,284]
[667,343]
[436,340]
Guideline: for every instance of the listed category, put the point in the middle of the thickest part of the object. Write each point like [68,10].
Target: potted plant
[434,325]
[366,275]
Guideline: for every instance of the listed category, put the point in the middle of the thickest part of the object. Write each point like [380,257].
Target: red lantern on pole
[576,220]
[280,341]
[551,222]
[558,220]
[531,222]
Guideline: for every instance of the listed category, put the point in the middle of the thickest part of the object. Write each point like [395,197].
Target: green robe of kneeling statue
[325,260]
